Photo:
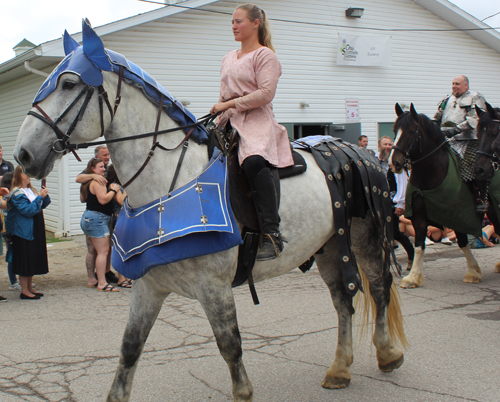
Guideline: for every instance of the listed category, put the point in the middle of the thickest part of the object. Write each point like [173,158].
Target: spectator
[96,218]
[25,222]
[5,166]
[117,206]
[397,190]
[363,141]
[6,183]
[102,153]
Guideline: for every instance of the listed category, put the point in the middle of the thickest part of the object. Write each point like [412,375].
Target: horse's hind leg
[369,255]
[338,375]
[145,305]
[217,300]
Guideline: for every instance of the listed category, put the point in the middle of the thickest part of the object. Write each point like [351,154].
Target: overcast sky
[44,20]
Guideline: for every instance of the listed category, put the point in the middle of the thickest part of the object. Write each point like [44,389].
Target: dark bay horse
[436,195]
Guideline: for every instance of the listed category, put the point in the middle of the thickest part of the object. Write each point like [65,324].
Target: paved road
[65,346]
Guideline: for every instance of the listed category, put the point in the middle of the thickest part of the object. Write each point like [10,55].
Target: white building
[431,43]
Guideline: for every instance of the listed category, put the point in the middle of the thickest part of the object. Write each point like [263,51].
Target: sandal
[108,288]
[127,283]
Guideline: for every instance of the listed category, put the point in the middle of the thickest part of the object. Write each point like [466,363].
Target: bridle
[416,139]
[62,145]
[495,160]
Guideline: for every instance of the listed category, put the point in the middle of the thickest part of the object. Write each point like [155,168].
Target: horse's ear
[490,110]
[413,112]
[69,43]
[93,48]
[399,111]
[479,111]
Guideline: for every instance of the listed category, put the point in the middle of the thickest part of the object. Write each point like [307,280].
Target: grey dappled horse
[307,223]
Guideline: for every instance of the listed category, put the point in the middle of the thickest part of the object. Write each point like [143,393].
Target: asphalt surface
[65,346]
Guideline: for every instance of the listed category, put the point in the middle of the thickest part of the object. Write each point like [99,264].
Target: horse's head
[417,137]
[489,145]
[67,107]
[406,131]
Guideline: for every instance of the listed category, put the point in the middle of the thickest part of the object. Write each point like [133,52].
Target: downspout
[34,70]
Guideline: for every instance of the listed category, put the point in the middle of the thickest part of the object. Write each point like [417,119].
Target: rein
[62,145]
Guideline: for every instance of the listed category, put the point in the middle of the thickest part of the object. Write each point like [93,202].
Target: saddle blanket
[195,220]
[451,204]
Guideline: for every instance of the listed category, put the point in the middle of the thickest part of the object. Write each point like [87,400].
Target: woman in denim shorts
[95,219]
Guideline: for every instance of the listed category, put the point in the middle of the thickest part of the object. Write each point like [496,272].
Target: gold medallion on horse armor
[367,163]
[349,195]
[341,231]
[345,258]
[389,219]
[328,153]
[374,189]
[335,149]
[386,194]
[330,177]
[337,204]
[339,176]
[367,189]
[352,286]
[360,163]
[346,167]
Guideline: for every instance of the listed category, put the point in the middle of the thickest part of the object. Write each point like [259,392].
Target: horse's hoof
[387,368]
[472,279]
[336,382]
[407,283]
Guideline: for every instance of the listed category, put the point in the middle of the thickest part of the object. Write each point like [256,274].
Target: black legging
[253,165]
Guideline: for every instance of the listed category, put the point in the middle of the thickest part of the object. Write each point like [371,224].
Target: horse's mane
[406,121]
[486,119]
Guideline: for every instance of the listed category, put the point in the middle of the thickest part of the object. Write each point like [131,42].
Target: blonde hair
[256,13]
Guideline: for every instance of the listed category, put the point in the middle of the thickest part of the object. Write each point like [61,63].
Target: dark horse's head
[488,127]
[417,137]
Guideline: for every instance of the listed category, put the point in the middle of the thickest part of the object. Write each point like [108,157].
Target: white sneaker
[16,287]
[428,242]
[445,240]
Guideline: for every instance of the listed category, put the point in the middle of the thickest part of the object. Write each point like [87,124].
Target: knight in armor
[249,77]
[458,120]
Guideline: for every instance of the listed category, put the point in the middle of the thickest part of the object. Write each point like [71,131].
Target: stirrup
[271,246]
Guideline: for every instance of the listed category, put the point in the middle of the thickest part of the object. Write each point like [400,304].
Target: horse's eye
[69,84]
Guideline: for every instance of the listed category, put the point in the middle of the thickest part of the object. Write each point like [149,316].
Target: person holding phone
[26,223]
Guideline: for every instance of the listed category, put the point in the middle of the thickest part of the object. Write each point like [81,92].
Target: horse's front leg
[216,298]
[415,278]
[145,304]
[473,274]
[338,375]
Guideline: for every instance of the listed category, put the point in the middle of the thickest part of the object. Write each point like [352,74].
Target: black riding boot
[482,199]
[264,195]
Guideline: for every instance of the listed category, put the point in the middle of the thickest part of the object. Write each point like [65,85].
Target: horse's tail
[365,306]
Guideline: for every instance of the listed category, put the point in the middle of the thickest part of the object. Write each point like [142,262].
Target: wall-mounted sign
[355,50]
[352,110]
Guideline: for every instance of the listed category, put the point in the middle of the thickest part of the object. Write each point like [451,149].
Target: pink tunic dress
[251,81]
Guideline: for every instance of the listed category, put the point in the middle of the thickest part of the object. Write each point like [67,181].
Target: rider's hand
[451,132]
